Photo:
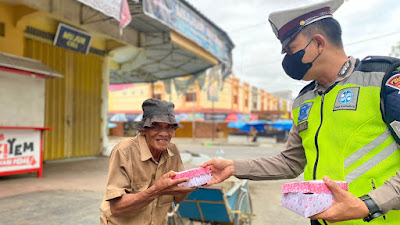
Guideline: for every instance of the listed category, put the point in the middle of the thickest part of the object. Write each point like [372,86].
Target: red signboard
[20,151]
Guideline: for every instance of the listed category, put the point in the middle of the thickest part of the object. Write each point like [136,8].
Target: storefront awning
[178,41]
[29,65]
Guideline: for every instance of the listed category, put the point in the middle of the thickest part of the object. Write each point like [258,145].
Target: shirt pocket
[164,200]
[139,187]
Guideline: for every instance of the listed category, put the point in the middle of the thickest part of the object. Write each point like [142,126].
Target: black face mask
[293,65]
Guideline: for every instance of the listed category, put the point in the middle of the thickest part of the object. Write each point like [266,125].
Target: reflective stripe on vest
[374,161]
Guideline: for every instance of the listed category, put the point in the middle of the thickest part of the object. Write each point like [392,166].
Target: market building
[91,44]
[203,105]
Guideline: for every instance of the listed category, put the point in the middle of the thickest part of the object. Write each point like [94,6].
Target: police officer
[338,131]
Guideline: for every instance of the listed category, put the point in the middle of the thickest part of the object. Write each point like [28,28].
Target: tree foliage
[395,50]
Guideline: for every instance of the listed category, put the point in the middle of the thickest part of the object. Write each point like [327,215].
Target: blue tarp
[259,125]
[246,126]
[236,124]
[111,125]
[282,124]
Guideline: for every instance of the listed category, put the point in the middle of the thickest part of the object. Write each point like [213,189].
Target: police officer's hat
[287,24]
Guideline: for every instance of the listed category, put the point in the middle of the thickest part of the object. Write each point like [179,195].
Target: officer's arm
[387,196]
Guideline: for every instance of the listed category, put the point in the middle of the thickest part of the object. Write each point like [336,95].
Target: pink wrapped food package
[197,177]
[309,197]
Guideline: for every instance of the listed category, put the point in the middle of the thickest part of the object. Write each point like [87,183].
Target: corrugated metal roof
[27,64]
[162,62]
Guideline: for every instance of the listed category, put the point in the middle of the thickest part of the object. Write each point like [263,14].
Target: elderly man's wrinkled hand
[345,206]
[166,186]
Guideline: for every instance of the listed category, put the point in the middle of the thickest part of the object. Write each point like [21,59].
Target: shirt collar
[346,70]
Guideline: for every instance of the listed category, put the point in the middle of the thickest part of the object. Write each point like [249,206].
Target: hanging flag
[118,9]
[125,14]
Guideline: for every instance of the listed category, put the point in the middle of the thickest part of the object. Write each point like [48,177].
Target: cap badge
[302,23]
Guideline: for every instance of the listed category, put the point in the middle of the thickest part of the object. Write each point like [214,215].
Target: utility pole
[152,89]
[193,118]
[212,119]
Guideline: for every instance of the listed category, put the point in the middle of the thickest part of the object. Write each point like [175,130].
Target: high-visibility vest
[345,137]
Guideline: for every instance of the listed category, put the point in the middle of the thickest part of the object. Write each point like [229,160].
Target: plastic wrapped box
[309,197]
[197,177]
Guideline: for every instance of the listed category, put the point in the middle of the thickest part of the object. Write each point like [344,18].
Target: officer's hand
[221,169]
[345,206]
[166,186]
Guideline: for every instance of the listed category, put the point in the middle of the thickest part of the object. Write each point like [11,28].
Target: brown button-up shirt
[132,169]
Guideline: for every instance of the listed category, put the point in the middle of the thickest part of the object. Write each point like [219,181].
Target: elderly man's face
[158,136]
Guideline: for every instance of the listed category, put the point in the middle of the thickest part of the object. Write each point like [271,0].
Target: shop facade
[86,43]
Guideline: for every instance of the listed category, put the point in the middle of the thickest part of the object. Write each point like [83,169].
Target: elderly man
[139,187]
[338,131]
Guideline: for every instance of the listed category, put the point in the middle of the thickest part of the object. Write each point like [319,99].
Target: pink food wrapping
[197,177]
[308,198]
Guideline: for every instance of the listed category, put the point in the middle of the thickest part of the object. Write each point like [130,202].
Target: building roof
[162,58]
[28,65]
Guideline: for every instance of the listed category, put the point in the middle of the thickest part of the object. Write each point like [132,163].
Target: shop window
[2,30]
[190,97]
[235,99]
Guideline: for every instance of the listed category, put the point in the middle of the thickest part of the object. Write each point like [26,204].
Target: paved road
[51,208]
[70,192]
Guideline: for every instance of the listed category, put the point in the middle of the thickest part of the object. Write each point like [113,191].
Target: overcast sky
[370,27]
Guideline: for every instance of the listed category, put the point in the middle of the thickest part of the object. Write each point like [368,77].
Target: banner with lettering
[72,38]
[186,21]
[19,150]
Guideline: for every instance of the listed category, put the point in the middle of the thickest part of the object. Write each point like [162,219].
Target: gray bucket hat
[155,110]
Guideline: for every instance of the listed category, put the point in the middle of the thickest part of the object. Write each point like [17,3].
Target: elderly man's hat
[155,110]
[287,24]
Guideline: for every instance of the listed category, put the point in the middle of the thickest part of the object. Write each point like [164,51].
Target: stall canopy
[28,66]
[259,125]
[169,28]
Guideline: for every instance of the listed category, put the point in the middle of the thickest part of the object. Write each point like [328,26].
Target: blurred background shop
[94,43]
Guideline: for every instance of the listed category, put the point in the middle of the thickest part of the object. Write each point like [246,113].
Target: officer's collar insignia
[344,68]
[394,81]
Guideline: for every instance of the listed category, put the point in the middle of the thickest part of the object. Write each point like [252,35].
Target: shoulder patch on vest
[302,126]
[394,81]
[304,112]
[396,127]
[347,99]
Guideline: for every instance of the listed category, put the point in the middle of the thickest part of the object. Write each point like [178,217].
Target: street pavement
[71,190]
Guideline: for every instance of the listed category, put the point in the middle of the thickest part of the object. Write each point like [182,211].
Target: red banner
[18,161]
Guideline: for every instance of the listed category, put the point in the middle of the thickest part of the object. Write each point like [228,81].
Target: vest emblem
[394,81]
[304,112]
[303,116]
[347,99]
